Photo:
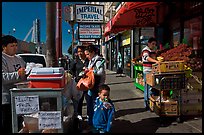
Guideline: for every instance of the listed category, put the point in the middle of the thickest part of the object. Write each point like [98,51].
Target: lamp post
[72,30]
[12,32]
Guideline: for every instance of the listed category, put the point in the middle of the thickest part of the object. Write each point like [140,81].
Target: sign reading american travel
[89,31]
[89,13]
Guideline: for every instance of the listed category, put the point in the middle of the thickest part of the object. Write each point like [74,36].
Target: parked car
[35,58]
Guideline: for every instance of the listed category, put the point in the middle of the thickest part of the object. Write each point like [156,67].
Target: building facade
[127,30]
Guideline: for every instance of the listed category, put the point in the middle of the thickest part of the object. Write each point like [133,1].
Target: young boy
[103,111]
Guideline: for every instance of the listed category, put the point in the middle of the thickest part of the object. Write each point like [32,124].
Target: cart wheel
[179,119]
[161,120]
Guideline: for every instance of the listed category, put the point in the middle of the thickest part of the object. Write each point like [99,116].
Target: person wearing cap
[13,71]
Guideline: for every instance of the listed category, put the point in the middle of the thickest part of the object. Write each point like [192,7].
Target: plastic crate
[169,81]
[172,82]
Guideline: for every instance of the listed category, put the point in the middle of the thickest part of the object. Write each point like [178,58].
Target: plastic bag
[87,82]
[70,90]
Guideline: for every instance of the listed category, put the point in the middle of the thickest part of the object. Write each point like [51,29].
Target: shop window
[176,38]
[127,58]
[146,33]
[193,32]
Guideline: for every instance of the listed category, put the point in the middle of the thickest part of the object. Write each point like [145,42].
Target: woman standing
[97,62]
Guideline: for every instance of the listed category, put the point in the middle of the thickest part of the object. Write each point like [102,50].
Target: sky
[20,16]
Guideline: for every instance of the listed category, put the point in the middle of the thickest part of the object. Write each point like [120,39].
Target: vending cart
[37,108]
[168,80]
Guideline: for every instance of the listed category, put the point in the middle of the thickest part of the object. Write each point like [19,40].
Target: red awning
[134,14]
[107,28]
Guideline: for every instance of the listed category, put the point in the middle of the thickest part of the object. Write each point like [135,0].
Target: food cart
[167,78]
[37,105]
[174,75]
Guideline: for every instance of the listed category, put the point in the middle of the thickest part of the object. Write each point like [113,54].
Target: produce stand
[26,101]
[138,80]
[164,79]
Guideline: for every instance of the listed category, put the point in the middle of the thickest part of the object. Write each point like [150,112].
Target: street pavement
[131,117]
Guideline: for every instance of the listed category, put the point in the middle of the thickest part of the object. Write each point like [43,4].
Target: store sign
[145,16]
[90,13]
[126,38]
[89,31]
[87,40]
[68,13]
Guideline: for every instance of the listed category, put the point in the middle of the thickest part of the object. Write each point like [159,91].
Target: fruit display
[137,60]
[179,53]
[183,53]
[195,64]
[161,59]
[140,79]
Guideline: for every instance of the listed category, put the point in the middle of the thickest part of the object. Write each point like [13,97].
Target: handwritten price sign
[27,104]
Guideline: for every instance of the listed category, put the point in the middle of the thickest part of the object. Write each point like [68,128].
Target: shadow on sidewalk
[119,82]
[149,125]
[127,99]
[124,112]
[111,73]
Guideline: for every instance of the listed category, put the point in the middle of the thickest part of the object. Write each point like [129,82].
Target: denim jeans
[90,105]
[147,91]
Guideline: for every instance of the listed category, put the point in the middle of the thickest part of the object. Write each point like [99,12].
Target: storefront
[126,52]
[171,23]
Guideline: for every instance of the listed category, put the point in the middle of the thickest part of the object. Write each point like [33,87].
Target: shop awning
[107,28]
[134,14]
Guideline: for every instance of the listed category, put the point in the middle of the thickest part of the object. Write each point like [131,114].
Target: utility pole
[50,34]
[59,30]
[69,17]
[72,26]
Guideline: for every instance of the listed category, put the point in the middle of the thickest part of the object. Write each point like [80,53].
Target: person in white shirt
[148,58]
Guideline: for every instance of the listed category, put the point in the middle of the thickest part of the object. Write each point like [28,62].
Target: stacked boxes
[164,108]
[191,98]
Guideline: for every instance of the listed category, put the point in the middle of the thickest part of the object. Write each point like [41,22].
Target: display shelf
[138,69]
[141,87]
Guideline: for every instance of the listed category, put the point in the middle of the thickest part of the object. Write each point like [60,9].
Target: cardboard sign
[49,120]
[27,104]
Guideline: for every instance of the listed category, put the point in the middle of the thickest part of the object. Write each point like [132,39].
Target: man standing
[148,58]
[13,71]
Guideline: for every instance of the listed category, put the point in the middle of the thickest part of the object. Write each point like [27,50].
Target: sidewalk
[131,116]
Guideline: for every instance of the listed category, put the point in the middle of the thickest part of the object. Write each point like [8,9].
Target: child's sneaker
[79,117]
